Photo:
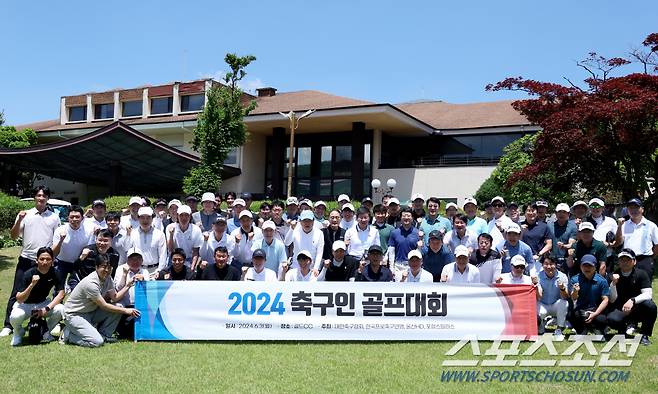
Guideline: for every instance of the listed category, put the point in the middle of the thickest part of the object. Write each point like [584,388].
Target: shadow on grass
[7,262]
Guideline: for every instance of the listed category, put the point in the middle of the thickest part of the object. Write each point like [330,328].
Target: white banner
[218,310]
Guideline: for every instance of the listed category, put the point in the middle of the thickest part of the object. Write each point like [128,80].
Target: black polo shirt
[630,286]
[383,275]
[343,272]
[42,288]
[82,268]
[183,274]
[229,272]
[536,235]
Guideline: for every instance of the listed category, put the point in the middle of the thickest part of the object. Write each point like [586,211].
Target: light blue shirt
[275,253]
[521,248]
[427,226]
[549,286]
[477,226]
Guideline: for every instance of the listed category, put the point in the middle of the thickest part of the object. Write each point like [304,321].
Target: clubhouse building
[139,141]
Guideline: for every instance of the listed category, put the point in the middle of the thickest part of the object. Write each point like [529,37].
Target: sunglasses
[497,205]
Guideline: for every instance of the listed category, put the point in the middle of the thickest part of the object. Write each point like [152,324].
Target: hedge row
[9,208]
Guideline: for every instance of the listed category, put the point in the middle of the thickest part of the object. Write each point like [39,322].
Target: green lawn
[265,367]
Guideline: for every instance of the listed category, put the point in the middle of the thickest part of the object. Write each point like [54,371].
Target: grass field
[268,367]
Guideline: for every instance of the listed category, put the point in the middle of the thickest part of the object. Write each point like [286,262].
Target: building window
[77,114]
[161,105]
[232,158]
[131,108]
[103,111]
[192,102]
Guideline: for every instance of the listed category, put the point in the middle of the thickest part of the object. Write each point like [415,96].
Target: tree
[516,157]
[11,179]
[220,128]
[601,138]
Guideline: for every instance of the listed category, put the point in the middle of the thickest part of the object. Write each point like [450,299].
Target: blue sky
[382,51]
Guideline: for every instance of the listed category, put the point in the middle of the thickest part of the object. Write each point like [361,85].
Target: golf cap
[245,213]
[588,259]
[258,253]
[292,201]
[191,198]
[366,199]
[348,206]
[338,245]
[208,197]
[497,199]
[319,203]
[513,228]
[513,204]
[436,234]
[518,260]
[541,203]
[239,201]
[418,196]
[246,196]
[174,202]
[161,201]
[451,205]
[304,254]
[584,226]
[461,250]
[133,251]
[306,215]
[596,201]
[414,253]
[135,200]
[343,197]
[269,224]
[626,253]
[375,249]
[393,200]
[220,220]
[184,209]
[579,203]
[634,201]
[306,202]
[148,211]
[562,207]
[469,200]
[97,203]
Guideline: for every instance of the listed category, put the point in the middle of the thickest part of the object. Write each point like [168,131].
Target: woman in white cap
[207,215]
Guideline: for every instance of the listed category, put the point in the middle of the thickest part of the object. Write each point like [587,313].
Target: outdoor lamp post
[377,186]
[294,124]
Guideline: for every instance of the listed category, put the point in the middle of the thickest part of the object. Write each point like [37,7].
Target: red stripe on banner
[521,303]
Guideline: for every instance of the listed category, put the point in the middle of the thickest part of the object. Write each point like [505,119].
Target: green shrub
[9,208]
[6,241]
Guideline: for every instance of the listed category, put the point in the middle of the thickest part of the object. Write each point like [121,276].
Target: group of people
[590,270]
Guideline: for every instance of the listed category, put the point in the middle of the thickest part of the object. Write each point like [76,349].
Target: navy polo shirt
[591,291]
[404,241]
[535,235]
[433,262]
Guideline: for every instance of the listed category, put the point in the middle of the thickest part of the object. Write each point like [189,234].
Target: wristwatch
[633,299]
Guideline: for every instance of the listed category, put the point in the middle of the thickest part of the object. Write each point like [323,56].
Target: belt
[150,265]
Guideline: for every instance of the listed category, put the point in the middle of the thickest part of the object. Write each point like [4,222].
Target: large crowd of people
[592,271]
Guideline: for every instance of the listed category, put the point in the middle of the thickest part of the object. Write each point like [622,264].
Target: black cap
[246,196]
[191,198]
[512,204]
[436,234]
[97,203]
[487,205]
[375,249]
[366,199]
[258,253]
[634,201]
[220,219]
[161,201]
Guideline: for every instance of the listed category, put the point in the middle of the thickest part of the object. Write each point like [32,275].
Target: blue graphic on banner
[147,300]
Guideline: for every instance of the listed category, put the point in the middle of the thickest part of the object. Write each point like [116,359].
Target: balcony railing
[441,161]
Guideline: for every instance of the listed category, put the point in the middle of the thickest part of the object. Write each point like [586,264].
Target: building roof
[446,116]
[302,101]
[144,164]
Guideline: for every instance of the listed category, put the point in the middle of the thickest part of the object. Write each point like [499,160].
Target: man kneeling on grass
[31,299]
[90,320]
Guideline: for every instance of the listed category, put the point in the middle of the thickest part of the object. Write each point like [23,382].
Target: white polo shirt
[207,251]
[345,225]
[73,243]
[37,230]
[604,224]
[312,241]
[423,276]
[295,275]
[127,220]
[242,250]
[129,297]
[452,240]
[121,243]
[508,279]
[361,240]
[188,240]
[471,273]
[266,275]
[153,246]
[91,223]
[640,237]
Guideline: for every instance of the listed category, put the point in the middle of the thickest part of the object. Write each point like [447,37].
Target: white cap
[135,200]
[245,213]
[292,201]
[174,202]
[518,260]
[562,207]
[133,251]
[307,202]
[319,203]
[208,197]
[469,200]
[497,198]
[414,253]
[417,196]
[304,253]
[579,202]
[268,224]
[596,201]
[306,215]
[461,250]
[343,197]
[185,209]
[338,245]
[239,201]
[451,204]
[393,200]
[513,228]
[348,206]
[145,211]
[586,226]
